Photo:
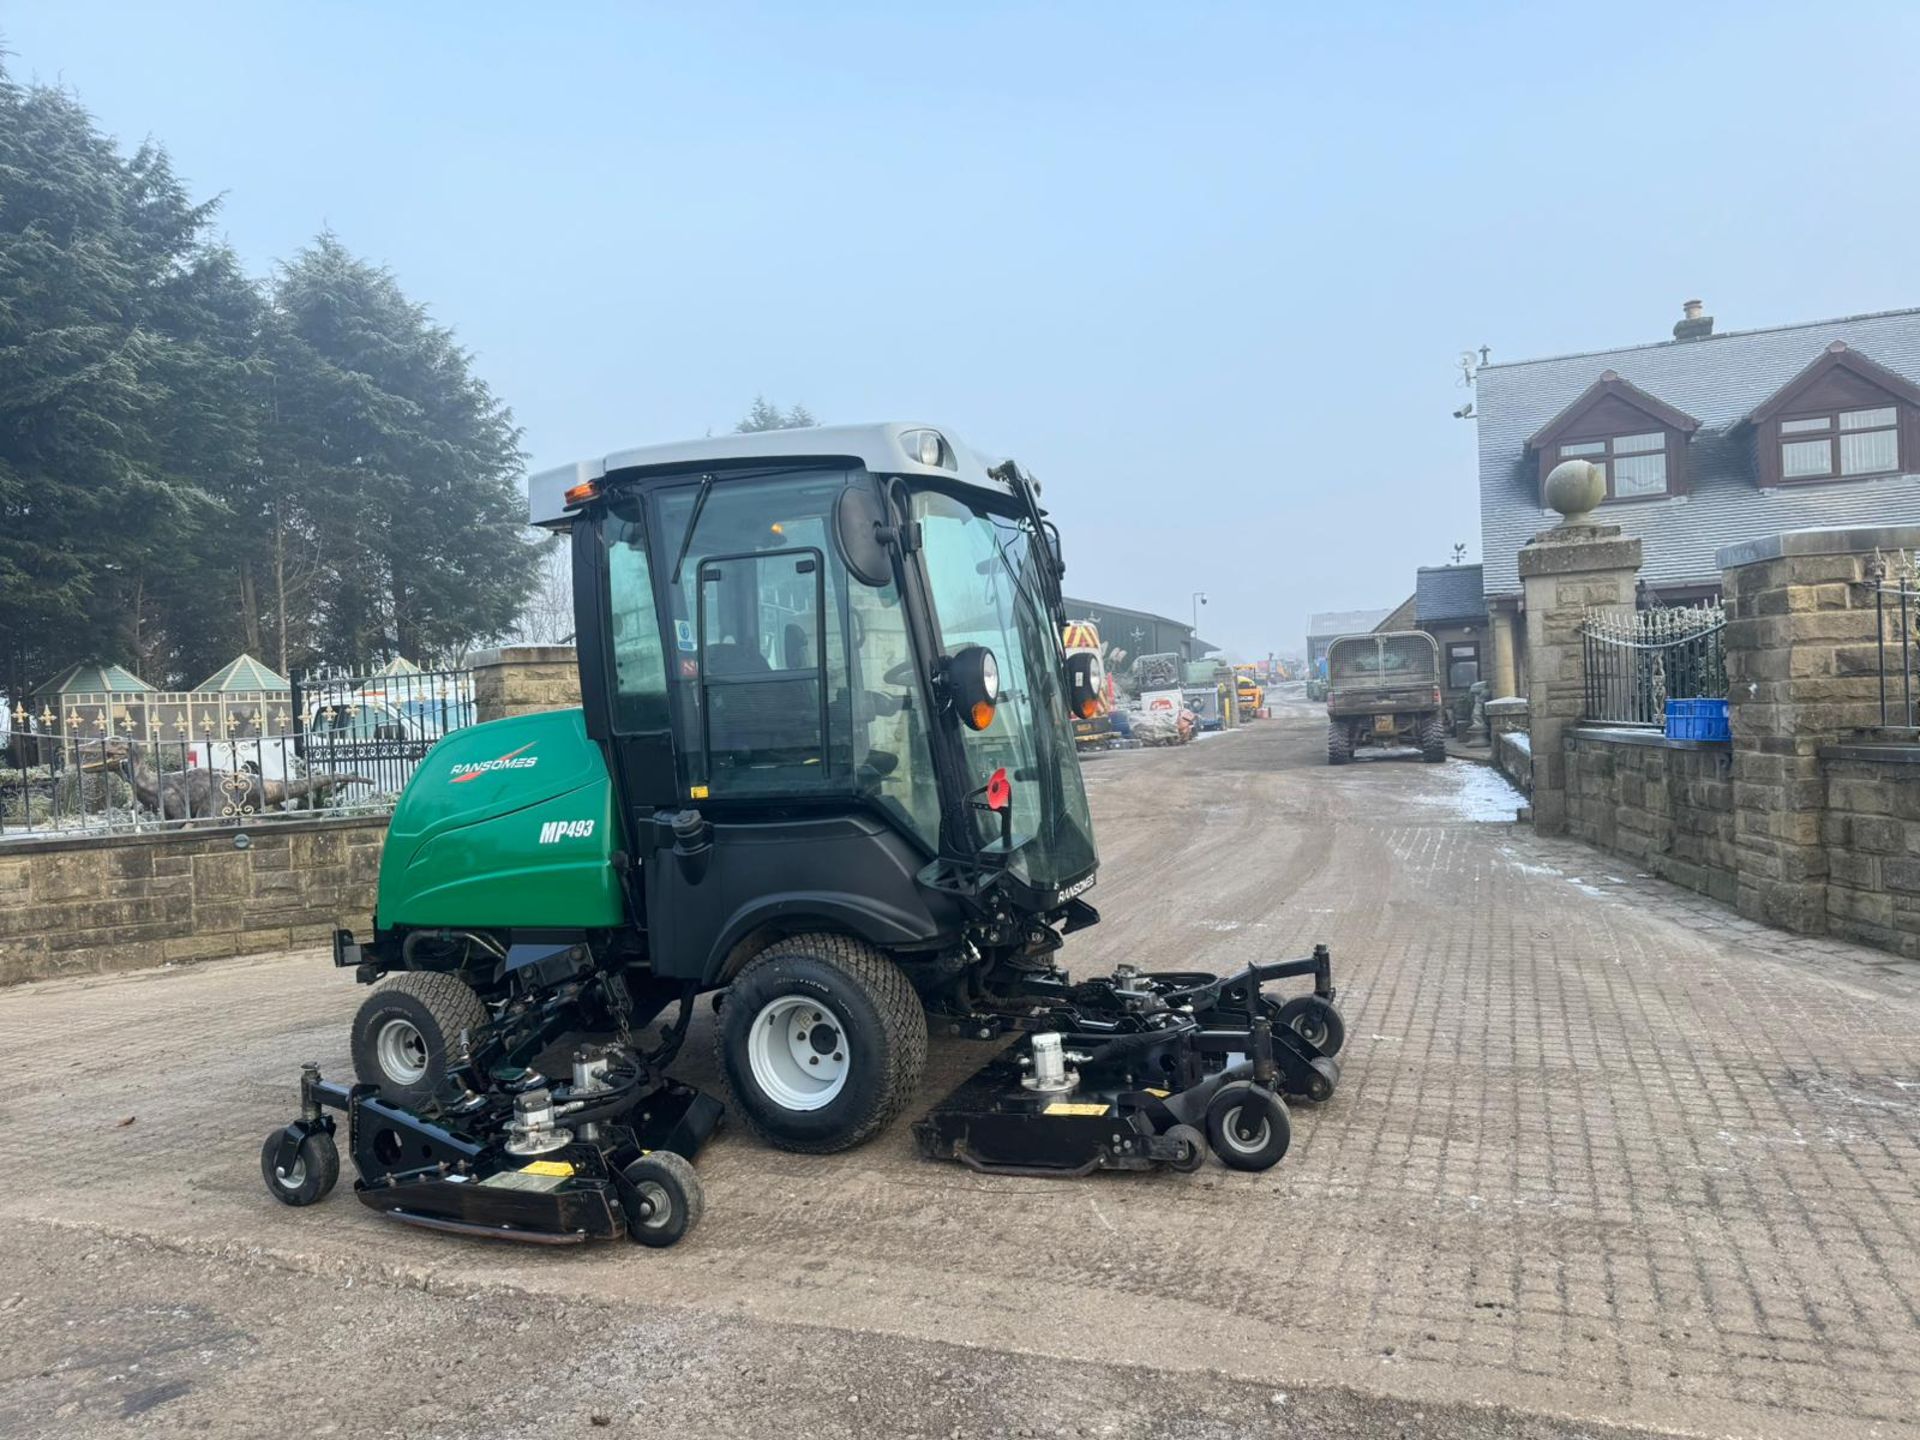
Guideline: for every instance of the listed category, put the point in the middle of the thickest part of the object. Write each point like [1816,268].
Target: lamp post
[1199,599]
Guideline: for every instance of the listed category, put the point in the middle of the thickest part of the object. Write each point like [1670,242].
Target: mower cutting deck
[1146,1069]
[515,1156]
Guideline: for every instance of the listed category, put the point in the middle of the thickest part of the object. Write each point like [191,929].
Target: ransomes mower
[823,769]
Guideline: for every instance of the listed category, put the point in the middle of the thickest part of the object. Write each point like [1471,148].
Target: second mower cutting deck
[1141,1070]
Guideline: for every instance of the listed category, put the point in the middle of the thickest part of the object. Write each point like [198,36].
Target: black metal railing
[1896,610]
[379,725]
[345,745]
[1637,660]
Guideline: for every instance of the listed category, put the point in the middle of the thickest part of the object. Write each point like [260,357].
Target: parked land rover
[1384,690]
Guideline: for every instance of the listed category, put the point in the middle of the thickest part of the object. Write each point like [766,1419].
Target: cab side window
[639,659]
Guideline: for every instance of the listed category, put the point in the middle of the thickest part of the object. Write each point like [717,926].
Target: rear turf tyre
[406,1030]
[315,1169]
[1315,1021]
[667,1200]
[1433,738]
[1248,1126]
[822,1042]
[1339,743]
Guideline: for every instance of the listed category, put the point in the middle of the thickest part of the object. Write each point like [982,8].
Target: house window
[1463,664]
[1840,445]
[1636,465]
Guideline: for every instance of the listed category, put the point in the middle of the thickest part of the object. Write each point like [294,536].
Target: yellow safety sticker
[548,1167]
[697,792]
[1158,1094]
[1066,1107]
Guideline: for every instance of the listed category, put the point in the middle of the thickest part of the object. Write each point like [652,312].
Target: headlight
[973,685]
[927,447]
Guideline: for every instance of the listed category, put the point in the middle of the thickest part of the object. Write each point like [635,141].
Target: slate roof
[1719,380]
[241,675]
[1448,592]
[1333,623]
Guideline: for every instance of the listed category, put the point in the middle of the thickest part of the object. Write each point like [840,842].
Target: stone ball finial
[1575,488]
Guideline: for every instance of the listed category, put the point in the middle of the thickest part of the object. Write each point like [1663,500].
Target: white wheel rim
[1230,1132]
[1310,1029]
[402,1051]
[797,1051]
[296,1177]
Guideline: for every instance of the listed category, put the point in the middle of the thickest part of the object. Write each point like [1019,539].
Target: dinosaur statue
[195,794]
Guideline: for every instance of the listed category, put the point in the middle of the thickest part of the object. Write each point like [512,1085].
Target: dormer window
[1640,442]
[1851,442]
[1842,418]
[1636,465]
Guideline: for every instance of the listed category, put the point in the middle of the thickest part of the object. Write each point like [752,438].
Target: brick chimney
[1693,325]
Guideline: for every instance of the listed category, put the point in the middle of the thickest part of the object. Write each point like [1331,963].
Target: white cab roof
[877,447]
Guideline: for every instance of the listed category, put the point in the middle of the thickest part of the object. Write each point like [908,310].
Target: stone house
[1449,604]
[1707,440]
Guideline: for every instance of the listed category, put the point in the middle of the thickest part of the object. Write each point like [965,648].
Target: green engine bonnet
[508,824]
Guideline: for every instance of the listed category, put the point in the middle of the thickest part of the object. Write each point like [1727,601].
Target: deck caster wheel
[315,1168]
[1193,1149]
[666,1199]
[1315,1020]
[1318,1088]
[1248,1126]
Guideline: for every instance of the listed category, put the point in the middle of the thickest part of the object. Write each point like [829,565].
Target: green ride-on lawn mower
[824,769]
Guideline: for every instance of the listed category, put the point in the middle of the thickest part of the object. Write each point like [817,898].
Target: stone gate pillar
[1803,671]
[520,679]
[1564,572]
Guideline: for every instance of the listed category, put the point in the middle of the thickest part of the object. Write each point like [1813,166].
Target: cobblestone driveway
[1600,1150]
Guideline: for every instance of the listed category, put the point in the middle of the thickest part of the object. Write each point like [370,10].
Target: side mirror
[1052,533]
[858,519]
[1086,680]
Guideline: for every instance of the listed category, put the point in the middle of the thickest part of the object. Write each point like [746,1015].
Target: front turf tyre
[1433,738]
[1339,743]
[822,1042]
[1316,1021]
[406,1030]
[315,1169]
[1248,1126]
[666,1199]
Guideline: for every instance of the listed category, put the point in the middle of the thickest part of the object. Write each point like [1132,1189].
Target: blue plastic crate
[1697,720]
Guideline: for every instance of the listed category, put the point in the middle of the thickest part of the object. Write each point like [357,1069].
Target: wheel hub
[656,1206]
[402,1051]
[797,1053]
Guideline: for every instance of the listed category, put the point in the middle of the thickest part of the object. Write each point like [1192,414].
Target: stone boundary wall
[1871,830]
[1811,812]
[1665,804]
[102,903]
[1511,742]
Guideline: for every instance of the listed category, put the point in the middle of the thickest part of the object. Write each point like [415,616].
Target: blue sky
[1206,269]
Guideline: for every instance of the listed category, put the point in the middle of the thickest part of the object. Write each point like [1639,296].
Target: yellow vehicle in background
[1090,732]
[1248,694]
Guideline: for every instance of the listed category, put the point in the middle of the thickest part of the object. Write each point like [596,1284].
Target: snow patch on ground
[1478,792]
[1526,867]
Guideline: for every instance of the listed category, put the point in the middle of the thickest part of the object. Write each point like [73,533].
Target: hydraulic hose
[1123,1046]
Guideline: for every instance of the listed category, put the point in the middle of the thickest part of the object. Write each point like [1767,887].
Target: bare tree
[548,617]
